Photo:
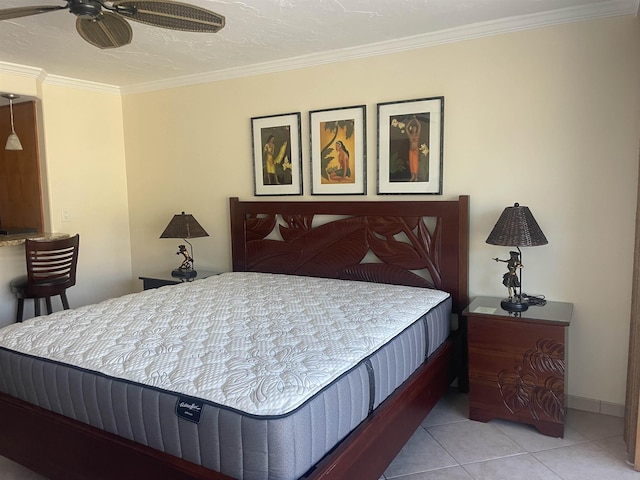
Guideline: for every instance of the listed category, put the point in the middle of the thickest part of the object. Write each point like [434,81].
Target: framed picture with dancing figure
[410,146]
[276,154]
[338,151]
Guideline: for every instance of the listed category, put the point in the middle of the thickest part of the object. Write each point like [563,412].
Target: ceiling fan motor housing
[86,9]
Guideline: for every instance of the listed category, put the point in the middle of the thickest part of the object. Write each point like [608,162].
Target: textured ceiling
[259,32]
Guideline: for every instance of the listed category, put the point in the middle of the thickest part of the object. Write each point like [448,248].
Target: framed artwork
[338,151]
[276,154]
[410,141]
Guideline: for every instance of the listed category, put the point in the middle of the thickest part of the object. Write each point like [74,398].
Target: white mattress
[262,354]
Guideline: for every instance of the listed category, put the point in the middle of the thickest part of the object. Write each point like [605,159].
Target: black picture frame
[410,146]
[277,159]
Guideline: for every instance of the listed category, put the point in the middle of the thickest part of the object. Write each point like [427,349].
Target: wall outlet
[66,216]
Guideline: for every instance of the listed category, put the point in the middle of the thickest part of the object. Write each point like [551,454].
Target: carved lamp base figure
[515,302]
[185,270]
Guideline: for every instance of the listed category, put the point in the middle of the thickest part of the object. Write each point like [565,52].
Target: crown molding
[60,81]
[39,75]
[508,25]
[604,9]
[22,71]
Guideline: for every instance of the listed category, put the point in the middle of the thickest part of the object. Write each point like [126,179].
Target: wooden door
[632,401]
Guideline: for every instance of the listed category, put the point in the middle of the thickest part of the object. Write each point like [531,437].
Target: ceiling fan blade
[106,31]
[172,15]
[9,13]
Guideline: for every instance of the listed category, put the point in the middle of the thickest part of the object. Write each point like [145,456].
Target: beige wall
[83,167]
[548,118]
[83,134]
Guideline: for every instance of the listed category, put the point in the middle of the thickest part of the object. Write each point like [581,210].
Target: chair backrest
[51,265]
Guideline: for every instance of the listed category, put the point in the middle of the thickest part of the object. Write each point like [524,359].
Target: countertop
[18,239]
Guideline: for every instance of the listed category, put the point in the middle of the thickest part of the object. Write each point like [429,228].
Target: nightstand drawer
[510,335]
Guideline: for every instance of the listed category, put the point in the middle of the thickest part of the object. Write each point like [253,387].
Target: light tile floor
[449,446]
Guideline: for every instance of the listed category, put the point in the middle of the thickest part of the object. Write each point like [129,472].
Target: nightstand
[517,363]
[162,279]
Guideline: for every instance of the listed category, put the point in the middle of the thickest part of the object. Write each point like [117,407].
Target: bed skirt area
[238,445]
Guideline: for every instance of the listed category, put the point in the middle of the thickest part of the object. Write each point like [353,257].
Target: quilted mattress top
[255,342]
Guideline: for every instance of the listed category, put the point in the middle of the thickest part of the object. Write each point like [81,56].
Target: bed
[418,244]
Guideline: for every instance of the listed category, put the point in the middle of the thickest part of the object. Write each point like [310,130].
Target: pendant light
[13,142]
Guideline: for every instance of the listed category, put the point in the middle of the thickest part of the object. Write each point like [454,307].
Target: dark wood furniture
[20,181]
[51,270]
[162,279]
[406,236]
[517,363]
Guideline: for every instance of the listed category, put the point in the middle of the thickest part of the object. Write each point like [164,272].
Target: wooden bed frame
[384,242]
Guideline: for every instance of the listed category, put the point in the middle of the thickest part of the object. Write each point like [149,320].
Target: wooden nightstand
[162,279]
[517,363]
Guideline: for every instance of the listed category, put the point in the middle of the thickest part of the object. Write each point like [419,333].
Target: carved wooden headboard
[423,244]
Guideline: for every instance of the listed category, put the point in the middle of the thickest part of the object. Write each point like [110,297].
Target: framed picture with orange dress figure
[338,151]
[410,141]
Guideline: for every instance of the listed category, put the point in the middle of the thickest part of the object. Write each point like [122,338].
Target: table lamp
[516,227]
[184,226]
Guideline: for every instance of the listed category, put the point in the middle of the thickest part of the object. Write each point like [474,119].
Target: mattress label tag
[189,409]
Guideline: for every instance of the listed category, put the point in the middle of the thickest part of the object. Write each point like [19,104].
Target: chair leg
[47,300]
[65,302]
[36,307]
[20,311]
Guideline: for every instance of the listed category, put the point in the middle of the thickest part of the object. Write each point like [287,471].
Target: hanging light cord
[13,130]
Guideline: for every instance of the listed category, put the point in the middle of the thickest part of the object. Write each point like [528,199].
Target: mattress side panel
[240,446]
[397,360]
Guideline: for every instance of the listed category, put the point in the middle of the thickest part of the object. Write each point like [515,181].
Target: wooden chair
[51,269]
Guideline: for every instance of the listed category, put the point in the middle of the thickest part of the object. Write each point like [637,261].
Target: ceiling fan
[104,24]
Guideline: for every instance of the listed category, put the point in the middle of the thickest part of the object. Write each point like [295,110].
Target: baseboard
[595,406]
